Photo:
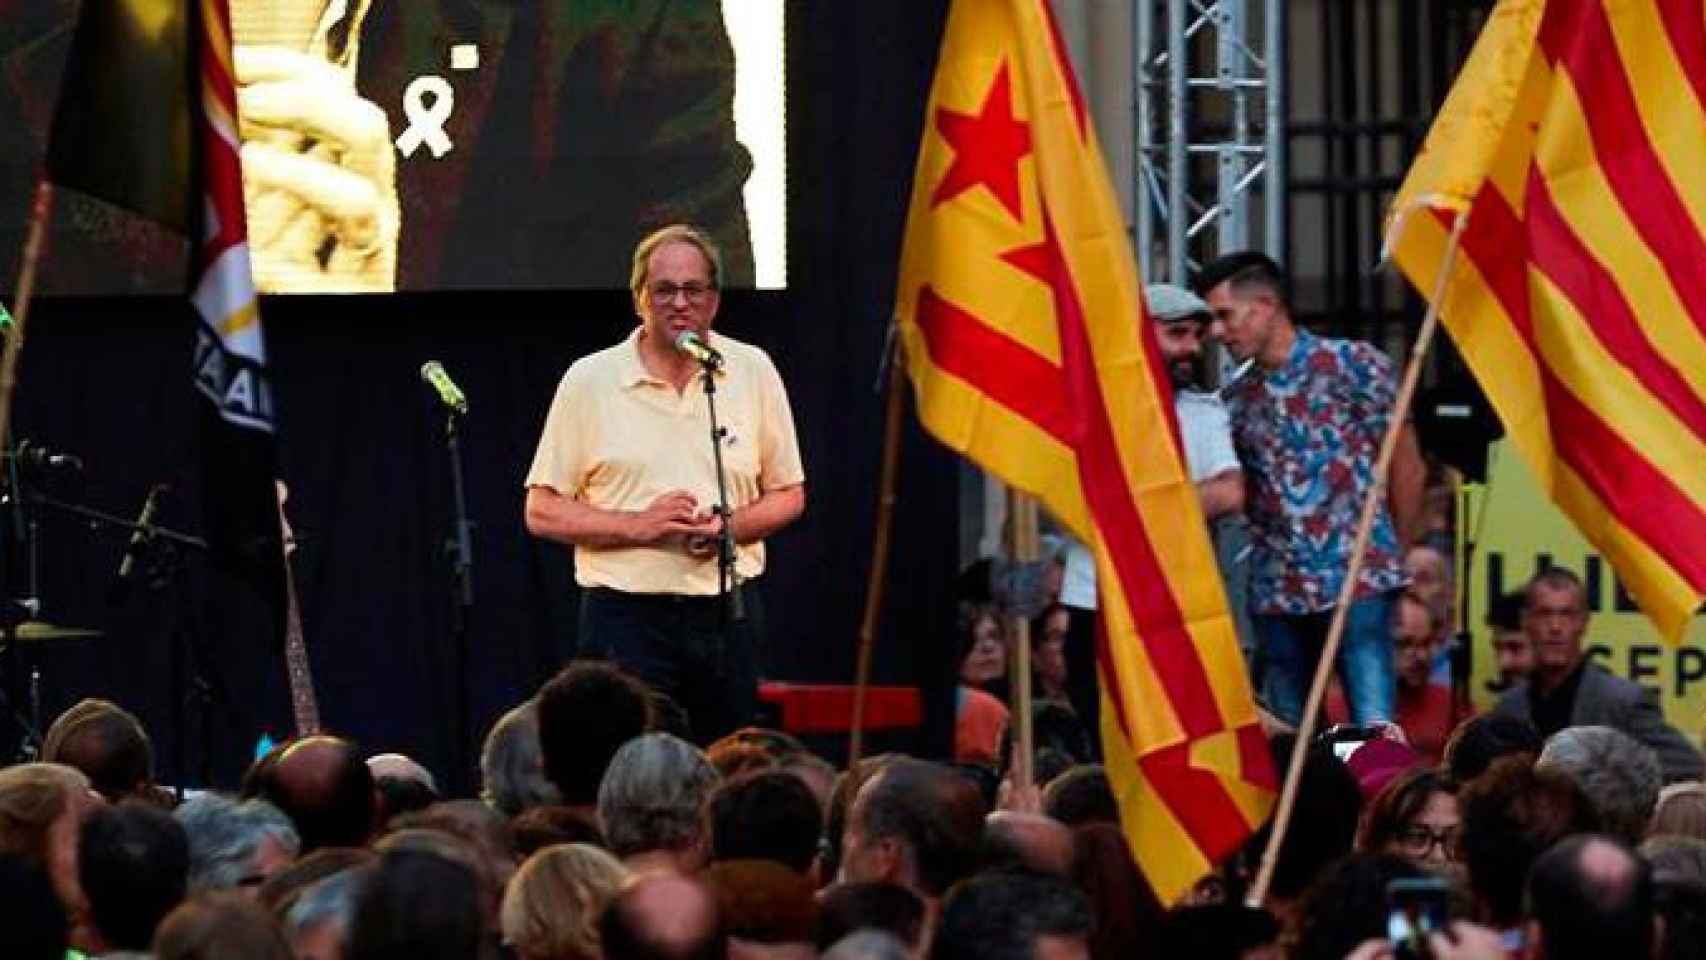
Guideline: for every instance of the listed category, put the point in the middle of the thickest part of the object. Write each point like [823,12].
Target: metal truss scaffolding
[1210,101]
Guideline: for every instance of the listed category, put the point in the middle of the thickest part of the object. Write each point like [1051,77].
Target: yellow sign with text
[1517,532]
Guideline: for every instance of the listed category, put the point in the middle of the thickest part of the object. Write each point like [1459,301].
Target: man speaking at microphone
[626,474]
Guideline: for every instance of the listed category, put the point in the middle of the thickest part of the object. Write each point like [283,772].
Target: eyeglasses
[1418,840]
[666,292]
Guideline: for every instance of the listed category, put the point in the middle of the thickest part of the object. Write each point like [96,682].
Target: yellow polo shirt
[618,438]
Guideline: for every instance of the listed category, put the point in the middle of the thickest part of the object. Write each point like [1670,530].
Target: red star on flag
[987,147]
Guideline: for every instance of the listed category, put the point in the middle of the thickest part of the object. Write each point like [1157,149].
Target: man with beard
[1182,320]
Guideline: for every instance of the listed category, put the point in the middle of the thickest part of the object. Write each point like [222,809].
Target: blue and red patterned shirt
[1309,434]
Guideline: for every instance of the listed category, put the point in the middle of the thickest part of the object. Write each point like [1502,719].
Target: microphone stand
[728,584]
[459,546]
[98,519]
[1463,651]
[161,551]
[23,532]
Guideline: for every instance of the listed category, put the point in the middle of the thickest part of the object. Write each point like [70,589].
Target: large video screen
[447,144]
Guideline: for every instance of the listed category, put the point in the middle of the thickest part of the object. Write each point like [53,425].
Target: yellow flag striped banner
[1020,310]
[1575,141]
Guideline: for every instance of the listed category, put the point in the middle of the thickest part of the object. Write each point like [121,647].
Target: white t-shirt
[1207,432]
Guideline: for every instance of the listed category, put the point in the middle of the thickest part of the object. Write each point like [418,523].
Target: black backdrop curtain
[362,448]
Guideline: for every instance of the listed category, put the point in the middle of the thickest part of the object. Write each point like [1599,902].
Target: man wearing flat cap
[1181,325]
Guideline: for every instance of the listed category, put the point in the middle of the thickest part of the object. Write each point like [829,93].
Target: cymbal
[33,630]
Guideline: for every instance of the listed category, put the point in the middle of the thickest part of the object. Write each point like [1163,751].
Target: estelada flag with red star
[1020,310]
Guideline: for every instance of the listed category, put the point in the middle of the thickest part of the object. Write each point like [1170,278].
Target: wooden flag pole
[1024,549]
[1365,527]
[895,405]
[40,210]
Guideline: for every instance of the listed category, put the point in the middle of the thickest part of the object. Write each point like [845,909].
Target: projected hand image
[424,145]
[319,174]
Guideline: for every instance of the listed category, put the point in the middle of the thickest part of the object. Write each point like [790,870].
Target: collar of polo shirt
[634,372]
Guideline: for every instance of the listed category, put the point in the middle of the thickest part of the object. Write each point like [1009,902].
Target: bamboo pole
[1024,550]
[1365,526]
[894,407]
[40,209]
[1463,560]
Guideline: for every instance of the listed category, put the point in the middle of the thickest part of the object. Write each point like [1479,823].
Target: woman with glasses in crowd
[1415,817]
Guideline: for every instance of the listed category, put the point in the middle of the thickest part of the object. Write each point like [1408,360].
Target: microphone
[690,343]
[41,458]
[433,373]
[143,533]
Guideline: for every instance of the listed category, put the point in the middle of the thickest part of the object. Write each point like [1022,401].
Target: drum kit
[30,473]
[18,643]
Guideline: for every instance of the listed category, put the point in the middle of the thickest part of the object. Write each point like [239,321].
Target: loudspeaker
[1455,423]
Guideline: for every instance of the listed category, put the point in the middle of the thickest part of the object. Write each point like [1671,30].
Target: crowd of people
[602,831]
[1283,454]
[599,832]
[627,812]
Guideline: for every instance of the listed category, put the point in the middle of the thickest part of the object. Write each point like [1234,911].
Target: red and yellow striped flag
[1020,309]
[1574,141]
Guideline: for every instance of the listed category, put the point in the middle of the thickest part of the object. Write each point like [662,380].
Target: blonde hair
[107,743]
[220,923]
[554,901]
[32,797]
[1681,811]
[675,233]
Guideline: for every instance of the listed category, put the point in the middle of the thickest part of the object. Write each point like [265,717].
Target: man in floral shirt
[1308,416]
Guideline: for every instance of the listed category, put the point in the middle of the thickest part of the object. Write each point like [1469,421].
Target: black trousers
[682,647]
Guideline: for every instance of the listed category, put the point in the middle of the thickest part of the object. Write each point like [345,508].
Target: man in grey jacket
[1566,690]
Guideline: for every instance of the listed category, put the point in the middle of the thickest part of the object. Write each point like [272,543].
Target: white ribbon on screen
[426,121]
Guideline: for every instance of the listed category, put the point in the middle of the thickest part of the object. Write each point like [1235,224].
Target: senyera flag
[1574,143]
[1021,314]
[147,120]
